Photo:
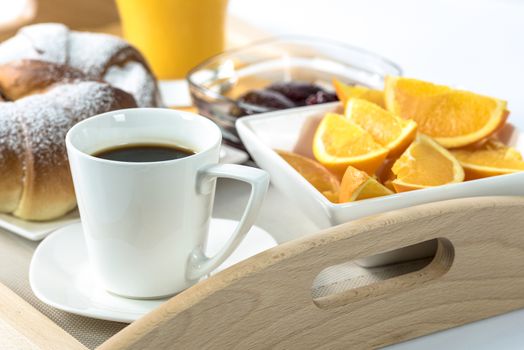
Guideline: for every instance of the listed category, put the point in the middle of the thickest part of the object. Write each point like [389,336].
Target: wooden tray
[272,300]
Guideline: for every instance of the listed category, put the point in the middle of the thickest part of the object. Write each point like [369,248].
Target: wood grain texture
[265,302]
[23,327]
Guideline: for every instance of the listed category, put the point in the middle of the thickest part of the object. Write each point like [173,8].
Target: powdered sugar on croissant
[100,56]
[36,182]
[51,78]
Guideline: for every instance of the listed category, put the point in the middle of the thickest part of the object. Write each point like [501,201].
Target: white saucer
[61,277]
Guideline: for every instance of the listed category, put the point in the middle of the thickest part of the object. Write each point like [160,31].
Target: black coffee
[143,152]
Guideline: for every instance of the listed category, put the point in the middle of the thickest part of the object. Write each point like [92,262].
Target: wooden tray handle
[266,302]
[435,268]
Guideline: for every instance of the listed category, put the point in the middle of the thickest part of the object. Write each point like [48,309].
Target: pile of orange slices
[412,135]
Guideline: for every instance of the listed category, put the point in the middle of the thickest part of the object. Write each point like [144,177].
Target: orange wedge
[389,130]
[425,164]
[491,159]
[317,175]
[346,92]
[338,143]
[454,118]
[385,174]
[389,185]
[358,185]
[331,196]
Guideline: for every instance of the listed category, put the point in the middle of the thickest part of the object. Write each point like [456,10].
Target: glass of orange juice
[174,35]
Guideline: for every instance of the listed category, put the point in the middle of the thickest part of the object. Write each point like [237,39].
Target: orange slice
[346,92]
[385,174]
[316,174]
[389,185]
[491,159]
[331,196]
[454,118]
[494,145]
[358,185]
[338,143]
[425,164]
[389,130]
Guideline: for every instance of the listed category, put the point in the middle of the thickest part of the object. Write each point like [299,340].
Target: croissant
[51,78]
[99,56]
[41,101]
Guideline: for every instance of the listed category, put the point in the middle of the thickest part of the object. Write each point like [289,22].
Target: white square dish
[293,129]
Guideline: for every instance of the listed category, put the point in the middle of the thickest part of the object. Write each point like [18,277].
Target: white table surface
[478,45]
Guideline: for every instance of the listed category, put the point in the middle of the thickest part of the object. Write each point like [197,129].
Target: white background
[478,45]
[475,44]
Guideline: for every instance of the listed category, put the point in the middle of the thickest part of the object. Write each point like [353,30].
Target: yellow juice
[174,35]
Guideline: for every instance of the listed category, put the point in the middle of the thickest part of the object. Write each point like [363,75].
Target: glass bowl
[216,83]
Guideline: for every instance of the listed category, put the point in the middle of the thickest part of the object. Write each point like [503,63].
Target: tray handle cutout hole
[383,274]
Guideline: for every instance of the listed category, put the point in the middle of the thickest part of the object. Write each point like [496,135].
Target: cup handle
[199,264]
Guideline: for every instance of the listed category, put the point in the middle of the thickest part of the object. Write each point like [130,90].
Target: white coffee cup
[146,224]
